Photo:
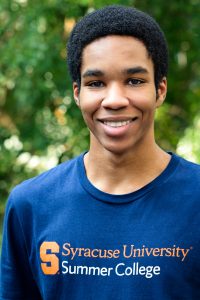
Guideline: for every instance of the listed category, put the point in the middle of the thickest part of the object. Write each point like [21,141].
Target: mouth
[116,124]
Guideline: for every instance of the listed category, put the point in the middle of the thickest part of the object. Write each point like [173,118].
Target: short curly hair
[118,20]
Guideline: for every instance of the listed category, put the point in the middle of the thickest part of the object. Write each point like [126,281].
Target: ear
[161,92]
[76,92]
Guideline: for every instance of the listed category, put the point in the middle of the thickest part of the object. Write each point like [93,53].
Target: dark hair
[118,20]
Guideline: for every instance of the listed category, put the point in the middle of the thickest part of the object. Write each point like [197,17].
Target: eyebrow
[93,73]
[135,70]
[129,71]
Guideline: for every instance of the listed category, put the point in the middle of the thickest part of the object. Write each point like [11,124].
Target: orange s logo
[50,262]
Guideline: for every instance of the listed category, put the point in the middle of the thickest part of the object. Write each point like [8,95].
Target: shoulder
[189,166]
[188,172]
[45,185]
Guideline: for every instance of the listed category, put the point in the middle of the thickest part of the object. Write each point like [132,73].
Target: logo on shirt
[56,259]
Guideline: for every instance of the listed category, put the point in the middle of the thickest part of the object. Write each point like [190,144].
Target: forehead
[115,51]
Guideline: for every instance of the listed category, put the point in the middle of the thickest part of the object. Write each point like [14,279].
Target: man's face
[117,96]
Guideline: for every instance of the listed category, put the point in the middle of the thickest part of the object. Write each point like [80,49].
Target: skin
[118,101]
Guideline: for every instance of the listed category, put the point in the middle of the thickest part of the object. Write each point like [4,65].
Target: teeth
[116,124]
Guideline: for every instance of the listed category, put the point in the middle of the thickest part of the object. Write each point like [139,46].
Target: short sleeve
[16,278]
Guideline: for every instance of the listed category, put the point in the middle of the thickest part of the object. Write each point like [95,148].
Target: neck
[124,173]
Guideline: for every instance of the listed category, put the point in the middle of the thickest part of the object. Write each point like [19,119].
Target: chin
[117,149]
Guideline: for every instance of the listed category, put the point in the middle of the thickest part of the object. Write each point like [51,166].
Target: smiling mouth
[116,124]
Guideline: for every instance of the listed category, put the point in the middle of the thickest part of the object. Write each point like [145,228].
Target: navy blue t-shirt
[65,239]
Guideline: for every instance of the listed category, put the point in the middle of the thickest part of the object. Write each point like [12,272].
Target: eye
[95,84]
[135,81]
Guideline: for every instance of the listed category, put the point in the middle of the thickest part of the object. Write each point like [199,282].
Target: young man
[121,221]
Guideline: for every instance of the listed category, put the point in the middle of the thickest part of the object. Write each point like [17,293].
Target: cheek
[144,106]
[89,105]
[144,101]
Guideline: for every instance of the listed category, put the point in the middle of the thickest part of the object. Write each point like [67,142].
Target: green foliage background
[40,125]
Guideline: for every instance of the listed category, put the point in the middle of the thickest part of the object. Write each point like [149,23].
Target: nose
[115,98]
